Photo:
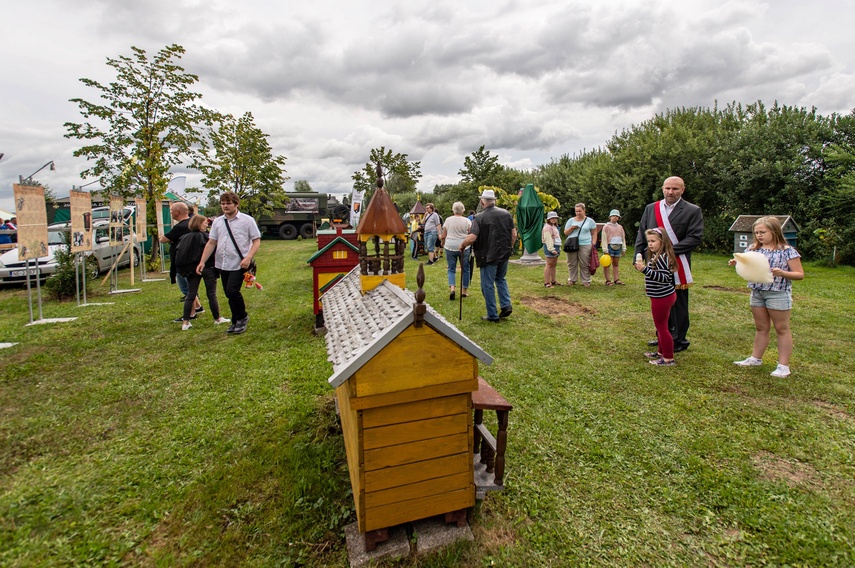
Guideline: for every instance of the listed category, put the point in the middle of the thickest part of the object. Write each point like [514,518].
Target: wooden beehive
[404,388]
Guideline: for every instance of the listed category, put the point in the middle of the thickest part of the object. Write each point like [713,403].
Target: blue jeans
[494,275]
[430,240]
[451,259]
[183,286]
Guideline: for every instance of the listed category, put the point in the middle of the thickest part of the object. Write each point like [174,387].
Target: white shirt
[244,229]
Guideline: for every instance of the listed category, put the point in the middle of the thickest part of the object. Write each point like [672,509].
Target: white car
[98,260]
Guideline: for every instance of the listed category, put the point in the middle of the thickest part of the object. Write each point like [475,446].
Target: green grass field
[125,441]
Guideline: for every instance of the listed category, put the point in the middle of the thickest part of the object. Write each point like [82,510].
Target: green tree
[481,168]
[302,186]
[145,124]
[238,158]
[401,175]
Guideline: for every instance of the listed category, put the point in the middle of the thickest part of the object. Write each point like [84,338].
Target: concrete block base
[396,547]
[434,534]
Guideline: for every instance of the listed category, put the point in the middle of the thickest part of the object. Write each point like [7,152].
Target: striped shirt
[658,278]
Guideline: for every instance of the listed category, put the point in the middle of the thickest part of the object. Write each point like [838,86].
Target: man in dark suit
[684,223]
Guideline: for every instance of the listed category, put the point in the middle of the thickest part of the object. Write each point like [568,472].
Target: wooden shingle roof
[360,326]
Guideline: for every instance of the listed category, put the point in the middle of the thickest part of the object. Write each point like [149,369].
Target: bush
[61,283]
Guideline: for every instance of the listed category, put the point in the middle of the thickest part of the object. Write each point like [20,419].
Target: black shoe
[451,296]
[506,312]
[240,325]
[230,329]
[653,342]
[681,347]
[179,320]
[182,298]
[199,310]
[486,318]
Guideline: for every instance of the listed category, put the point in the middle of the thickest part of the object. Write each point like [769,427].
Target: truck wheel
[307,231]
[288,231]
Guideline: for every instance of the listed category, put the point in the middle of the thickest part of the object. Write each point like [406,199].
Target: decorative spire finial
[420,307]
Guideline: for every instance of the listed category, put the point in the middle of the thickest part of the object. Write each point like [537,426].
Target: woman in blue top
[771,303]
[579,262]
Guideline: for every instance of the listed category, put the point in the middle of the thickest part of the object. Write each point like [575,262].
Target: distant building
[743,234]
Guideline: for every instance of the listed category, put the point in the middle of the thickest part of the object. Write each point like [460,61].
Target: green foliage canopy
[238,158]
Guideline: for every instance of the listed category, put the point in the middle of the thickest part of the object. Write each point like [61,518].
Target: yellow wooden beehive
[404,387]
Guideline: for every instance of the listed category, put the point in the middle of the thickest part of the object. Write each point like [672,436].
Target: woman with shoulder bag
[584,229]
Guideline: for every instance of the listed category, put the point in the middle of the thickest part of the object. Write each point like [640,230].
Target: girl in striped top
[659,286]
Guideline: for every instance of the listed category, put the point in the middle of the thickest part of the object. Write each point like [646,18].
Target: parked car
[98,260]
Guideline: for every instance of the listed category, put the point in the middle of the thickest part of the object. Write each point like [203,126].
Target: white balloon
[753,267]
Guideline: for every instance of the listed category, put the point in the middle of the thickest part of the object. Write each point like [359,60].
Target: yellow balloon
[605,260]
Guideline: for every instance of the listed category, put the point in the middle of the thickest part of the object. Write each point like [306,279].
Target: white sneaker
[186,325]
[781,371]
[750,362]
[221,320]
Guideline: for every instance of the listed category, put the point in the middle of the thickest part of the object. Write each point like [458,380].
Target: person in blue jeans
[454,230]
[492,236]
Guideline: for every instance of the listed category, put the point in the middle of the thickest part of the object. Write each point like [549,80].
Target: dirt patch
[832,409]
[555,306]
[727,289]
[794,473]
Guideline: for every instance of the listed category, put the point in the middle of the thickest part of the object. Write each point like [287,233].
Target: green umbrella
[530,219]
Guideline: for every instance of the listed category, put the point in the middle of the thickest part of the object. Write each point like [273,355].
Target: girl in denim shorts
[771,303]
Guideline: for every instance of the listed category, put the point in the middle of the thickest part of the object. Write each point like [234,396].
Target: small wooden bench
[491,450]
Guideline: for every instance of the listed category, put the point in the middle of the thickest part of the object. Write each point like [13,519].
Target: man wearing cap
[613,238]
[684,223]
[492,236]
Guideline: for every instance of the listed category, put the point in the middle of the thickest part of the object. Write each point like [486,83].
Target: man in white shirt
[234,239]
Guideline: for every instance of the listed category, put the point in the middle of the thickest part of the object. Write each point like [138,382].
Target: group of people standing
[670,229]
[225,253]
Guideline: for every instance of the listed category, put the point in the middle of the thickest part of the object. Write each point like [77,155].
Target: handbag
[595,260]
[572,243]
[252,267]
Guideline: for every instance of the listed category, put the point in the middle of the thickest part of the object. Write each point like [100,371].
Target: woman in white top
[454,230]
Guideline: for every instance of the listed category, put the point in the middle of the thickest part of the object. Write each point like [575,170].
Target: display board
[80,203]
[32,221]
[158,213]
[117,221]
[142,236]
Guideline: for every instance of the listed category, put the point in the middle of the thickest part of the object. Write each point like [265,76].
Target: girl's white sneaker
[750,362]
[221,320]
[186,325]
[781,371]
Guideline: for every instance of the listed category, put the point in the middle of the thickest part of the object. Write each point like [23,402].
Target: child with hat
[614,244]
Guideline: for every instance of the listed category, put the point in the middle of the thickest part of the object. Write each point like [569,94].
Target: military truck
[302,215]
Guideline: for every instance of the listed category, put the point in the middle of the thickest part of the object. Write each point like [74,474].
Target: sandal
[609,283]
[663,363]
[653,355]
[619,283]
[557,283]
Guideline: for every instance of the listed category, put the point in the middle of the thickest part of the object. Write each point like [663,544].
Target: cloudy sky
[330,79]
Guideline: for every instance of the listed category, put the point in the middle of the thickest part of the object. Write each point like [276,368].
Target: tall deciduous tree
[145,124]
[480,168]
[238,158]
[402,175]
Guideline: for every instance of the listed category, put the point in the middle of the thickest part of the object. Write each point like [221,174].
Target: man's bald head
[672,189]
[179,211]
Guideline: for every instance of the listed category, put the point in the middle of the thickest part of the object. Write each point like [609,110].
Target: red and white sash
[683,277]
